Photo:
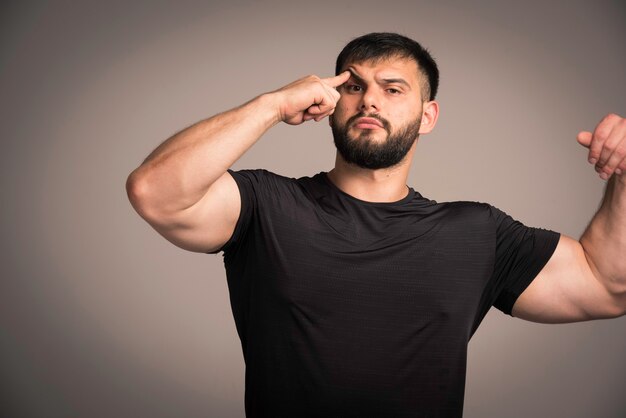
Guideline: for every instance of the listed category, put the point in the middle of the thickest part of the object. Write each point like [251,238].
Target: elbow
[134,188]
[137,193]
[146,198]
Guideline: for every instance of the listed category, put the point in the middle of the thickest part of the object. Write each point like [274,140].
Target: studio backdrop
[102,317]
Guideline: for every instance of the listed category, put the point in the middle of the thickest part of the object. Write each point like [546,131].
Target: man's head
[384,45]
[387,102]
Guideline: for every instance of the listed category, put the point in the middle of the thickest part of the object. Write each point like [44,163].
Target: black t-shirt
[347,308]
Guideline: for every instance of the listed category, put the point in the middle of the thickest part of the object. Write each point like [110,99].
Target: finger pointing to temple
[337,80]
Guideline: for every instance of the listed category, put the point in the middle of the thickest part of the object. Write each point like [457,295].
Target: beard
[366,152]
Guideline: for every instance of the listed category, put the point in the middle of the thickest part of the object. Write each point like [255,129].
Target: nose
[370,100]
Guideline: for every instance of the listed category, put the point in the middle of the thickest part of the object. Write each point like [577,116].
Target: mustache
[383,121]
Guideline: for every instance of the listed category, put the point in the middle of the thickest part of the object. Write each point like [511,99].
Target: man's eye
[353,87]
[393,91]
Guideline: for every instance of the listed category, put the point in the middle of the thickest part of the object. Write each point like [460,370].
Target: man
[353,295]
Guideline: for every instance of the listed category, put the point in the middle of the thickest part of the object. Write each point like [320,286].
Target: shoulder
[261,177]
[466,210]
[256,175]
[483,211]
[269,186]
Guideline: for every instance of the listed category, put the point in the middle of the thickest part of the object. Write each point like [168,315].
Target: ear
[430,113]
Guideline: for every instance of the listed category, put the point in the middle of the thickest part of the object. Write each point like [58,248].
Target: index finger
[337,80]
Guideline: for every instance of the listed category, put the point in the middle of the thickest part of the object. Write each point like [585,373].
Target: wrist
[271,102]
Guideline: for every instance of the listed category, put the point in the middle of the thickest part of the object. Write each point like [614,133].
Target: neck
[381,185]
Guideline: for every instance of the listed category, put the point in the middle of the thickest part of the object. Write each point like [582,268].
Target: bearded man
[354,295]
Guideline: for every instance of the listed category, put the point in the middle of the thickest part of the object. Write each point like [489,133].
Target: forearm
[178,173]
[604,240]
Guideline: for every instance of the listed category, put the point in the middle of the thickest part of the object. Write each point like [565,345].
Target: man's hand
[309,98]
[607,146]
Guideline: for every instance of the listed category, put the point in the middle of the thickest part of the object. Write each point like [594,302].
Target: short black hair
[382,45]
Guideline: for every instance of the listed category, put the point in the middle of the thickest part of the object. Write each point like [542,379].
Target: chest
[396,270]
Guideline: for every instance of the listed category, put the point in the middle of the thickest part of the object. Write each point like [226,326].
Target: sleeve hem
[549,241]
[238,226]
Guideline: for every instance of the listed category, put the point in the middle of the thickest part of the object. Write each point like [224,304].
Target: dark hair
[382,45]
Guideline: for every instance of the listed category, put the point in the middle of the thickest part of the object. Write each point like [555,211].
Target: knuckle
[610,165]
[594,152]
[602,132]
[602,158]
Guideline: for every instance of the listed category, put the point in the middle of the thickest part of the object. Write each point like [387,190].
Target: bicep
[566,290]
[208,224]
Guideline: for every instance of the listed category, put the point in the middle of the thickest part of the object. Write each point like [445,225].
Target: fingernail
[604,176]
[618,170]
[592,160]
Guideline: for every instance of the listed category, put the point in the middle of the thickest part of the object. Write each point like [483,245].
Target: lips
[368,123]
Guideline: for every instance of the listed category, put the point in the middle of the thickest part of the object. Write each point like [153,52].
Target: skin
[398,103]
[182,189]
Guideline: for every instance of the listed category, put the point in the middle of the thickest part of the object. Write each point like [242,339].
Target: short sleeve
[521,253]
[247,182]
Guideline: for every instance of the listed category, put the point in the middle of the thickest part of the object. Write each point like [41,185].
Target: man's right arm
[182,189]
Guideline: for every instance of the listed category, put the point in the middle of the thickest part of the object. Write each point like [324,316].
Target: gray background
[101,317]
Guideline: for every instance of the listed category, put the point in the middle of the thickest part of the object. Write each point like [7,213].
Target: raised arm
[182,189]
[586,279]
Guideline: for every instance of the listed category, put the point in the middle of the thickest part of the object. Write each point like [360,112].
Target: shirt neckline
[409,196]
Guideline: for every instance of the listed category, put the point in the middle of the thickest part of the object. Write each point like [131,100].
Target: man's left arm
[586,279]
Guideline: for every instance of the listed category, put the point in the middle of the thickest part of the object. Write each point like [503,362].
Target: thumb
[584,138]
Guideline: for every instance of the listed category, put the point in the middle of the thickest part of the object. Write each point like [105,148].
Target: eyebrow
[355,75]
[396,80]
[385,80]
